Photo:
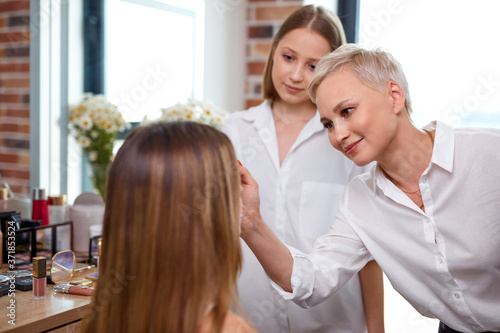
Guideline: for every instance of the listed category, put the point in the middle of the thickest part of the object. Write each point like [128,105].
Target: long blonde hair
[171,251]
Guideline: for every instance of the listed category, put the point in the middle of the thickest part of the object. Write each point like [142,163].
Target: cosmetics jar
[58,209]
[58,213]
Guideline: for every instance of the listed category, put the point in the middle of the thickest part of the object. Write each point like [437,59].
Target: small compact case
[4,289]
[24,284]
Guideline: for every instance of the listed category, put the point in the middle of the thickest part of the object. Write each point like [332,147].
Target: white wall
[224,66]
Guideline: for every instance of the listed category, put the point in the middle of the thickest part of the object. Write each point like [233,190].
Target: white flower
[93,156]
[194,110]
[95,122]
[84,122]
[110,127]
[84,141]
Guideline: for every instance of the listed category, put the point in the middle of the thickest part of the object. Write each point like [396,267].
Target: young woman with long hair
[170,251]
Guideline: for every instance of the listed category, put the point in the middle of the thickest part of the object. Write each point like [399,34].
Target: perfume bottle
[39,277]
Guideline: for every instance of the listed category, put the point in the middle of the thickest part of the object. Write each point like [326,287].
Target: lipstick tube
[39,277]
[75,290]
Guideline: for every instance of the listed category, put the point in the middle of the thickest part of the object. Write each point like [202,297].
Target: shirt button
[457,295]
[424,180]
[441,261]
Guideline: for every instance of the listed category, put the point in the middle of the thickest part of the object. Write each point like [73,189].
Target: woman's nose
[297,74]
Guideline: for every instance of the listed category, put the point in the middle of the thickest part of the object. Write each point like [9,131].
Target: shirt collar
[262,114]
[259,114]
[442,152]
[444,145]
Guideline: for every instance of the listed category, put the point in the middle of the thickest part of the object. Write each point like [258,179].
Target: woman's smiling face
[361,121]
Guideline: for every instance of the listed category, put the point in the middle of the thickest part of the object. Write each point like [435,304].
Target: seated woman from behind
[171,252]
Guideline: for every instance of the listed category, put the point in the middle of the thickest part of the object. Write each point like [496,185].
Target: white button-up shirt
[444,261]
[299,199]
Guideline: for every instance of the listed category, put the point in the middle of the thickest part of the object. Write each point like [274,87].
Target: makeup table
[56,313]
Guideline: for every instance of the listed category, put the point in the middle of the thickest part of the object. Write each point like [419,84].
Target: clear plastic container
[17,203]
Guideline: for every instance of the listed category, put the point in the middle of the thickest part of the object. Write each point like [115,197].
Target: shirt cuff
[302,279]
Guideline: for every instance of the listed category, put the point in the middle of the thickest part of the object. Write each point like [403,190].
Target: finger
[246,177]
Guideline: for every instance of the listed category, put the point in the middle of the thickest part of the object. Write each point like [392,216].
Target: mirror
[63,266]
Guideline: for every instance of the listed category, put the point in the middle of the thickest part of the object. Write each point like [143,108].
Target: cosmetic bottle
[58,213]
[71,289]
[99,242]
[39,211]
[1,249]
[58,209]
[4,200]
[39,277]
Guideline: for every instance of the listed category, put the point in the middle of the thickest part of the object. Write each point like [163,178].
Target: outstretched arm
[371,280]
[272,254]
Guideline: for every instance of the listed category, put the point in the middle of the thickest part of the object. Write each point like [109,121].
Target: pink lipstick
[351,148]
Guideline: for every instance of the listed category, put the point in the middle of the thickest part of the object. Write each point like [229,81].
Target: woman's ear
[397,96]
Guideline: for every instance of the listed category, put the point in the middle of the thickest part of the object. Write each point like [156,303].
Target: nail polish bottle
[39,277]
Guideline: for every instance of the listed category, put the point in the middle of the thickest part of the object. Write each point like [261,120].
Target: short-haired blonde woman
[171,251]
[302,178]
[428,211]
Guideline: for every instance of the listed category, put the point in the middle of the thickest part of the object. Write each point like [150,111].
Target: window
[448,51]
[153,54]
[60,62]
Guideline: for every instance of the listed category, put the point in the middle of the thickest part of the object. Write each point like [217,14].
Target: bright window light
[449,52]
[152,54]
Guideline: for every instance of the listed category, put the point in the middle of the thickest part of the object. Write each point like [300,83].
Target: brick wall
[264,18]
[14,95]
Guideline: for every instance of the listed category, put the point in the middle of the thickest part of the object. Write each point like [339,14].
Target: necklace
[412,192]
[417,191]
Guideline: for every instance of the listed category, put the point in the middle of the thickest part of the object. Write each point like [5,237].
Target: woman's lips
[292,90]
[351,148]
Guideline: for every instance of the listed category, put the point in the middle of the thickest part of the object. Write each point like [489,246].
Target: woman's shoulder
[236,324]
[232,324]
[251,113]
[241,120]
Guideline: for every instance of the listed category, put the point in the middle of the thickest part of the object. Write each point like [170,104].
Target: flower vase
[99,177]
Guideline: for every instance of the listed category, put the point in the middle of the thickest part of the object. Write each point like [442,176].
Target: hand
[273,255]
[250,201]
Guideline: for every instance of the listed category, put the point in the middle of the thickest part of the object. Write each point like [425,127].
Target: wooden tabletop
[38,315]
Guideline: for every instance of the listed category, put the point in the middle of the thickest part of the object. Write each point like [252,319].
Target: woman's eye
[328,125]
[312,67]
[287,57]
[346,111]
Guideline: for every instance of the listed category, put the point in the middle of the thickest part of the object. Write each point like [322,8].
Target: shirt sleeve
[231,128]
[335,259]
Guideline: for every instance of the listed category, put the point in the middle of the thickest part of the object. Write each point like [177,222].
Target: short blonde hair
[375,68]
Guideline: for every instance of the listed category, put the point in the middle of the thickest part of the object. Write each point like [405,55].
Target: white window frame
[54,58]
